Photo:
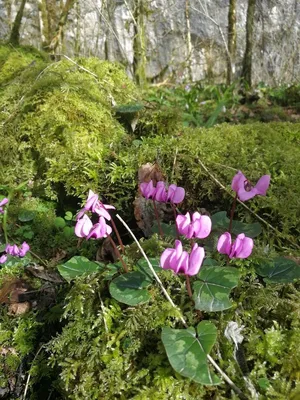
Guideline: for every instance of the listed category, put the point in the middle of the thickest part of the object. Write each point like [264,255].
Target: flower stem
[4,224]
[118,253]
[175,215]
[161,234]
[188,287]
[118,235]
[232,213]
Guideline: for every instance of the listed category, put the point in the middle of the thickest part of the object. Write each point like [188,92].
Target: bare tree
[247,61]
[56,40]
[15,32]
[231,40]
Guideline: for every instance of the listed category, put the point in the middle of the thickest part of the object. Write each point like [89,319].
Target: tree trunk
[231,40]
[140,61]
[247,61]
[15,32]
[188,38]
[61,24]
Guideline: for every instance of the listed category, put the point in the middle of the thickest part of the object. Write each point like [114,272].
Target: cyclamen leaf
[143,266]
[211,292]
[77,266]
[280,270]
[187,351]
[130,288]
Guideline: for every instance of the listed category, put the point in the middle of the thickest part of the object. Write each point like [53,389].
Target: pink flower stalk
[94,204]
[2,203]
[245,189]
[199,227]
[241,248]
[3,259]
[174,194]
[99,230]
[180,261]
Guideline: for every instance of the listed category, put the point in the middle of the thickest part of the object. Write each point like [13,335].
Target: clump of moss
[58,120]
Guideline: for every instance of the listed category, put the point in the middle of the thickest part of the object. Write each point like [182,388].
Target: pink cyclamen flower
[94,204]
[83,226]
[3,259]
[175,194]
[199,227]
[13,250]
[180,261]
[100,230]
[2,203]
[161,193]
[24,249]
[147,189]
[240,248]
[245,190]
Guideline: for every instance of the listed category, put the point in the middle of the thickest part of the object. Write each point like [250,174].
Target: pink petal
[147,189]
[246,249]
[101,211]
[161,193]
[263,185]
[182,264]
[3,201]
[91,201]
[224,243]
[178,248]
[238,181]
[183,223]
[178,196]
[202,227]
[165,258]
[196,259]
[3,259]
[24,249]
[83,226]
[237,245]
[243,195]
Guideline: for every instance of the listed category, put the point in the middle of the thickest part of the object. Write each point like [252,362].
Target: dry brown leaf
[150,171]
[18,308]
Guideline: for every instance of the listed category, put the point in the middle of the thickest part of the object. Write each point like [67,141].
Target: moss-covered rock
[57,120]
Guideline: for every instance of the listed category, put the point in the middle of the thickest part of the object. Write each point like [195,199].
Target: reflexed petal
[243,195]
[178,249]
[202,227]
[237,246]
[178,195]
[80,214]
[91,201]
[196,259]
[246,248]
[83,226]
[161,193]
[15,250]
[238,181]
[3,259]
[9,249]
[165,258]
[224,243]
[262,185]
[183,224]
[181,265]
[147,189]
[3,201]
[24,249]
[102,212]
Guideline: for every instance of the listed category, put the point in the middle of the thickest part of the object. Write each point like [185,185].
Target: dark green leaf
[209,262]
[68,216]
[280,270]
[59,222]
[130,288]
[168,230]
[110,270]
[187,351]
[143,267]
[220,222]
[77,266]
[26,215]
[211,292]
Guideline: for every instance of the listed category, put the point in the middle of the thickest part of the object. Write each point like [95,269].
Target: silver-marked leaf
[221,222]
[130,288]
[211,292]
[280,270]
[187,351]
[77,266]
[143,266]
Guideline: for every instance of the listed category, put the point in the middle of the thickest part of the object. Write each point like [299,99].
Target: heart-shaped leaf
[77,266]
[220,222]
[280,270]
[130,288]
[26,215]
[143,266]
[211,292]
[187,351]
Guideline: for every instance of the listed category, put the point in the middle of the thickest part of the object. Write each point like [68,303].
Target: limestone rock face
[155,33]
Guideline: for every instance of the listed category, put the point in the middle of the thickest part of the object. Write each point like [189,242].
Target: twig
[29,375]
[244,205]
[210,359]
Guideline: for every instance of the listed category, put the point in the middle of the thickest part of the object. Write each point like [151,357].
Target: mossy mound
[57,119]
